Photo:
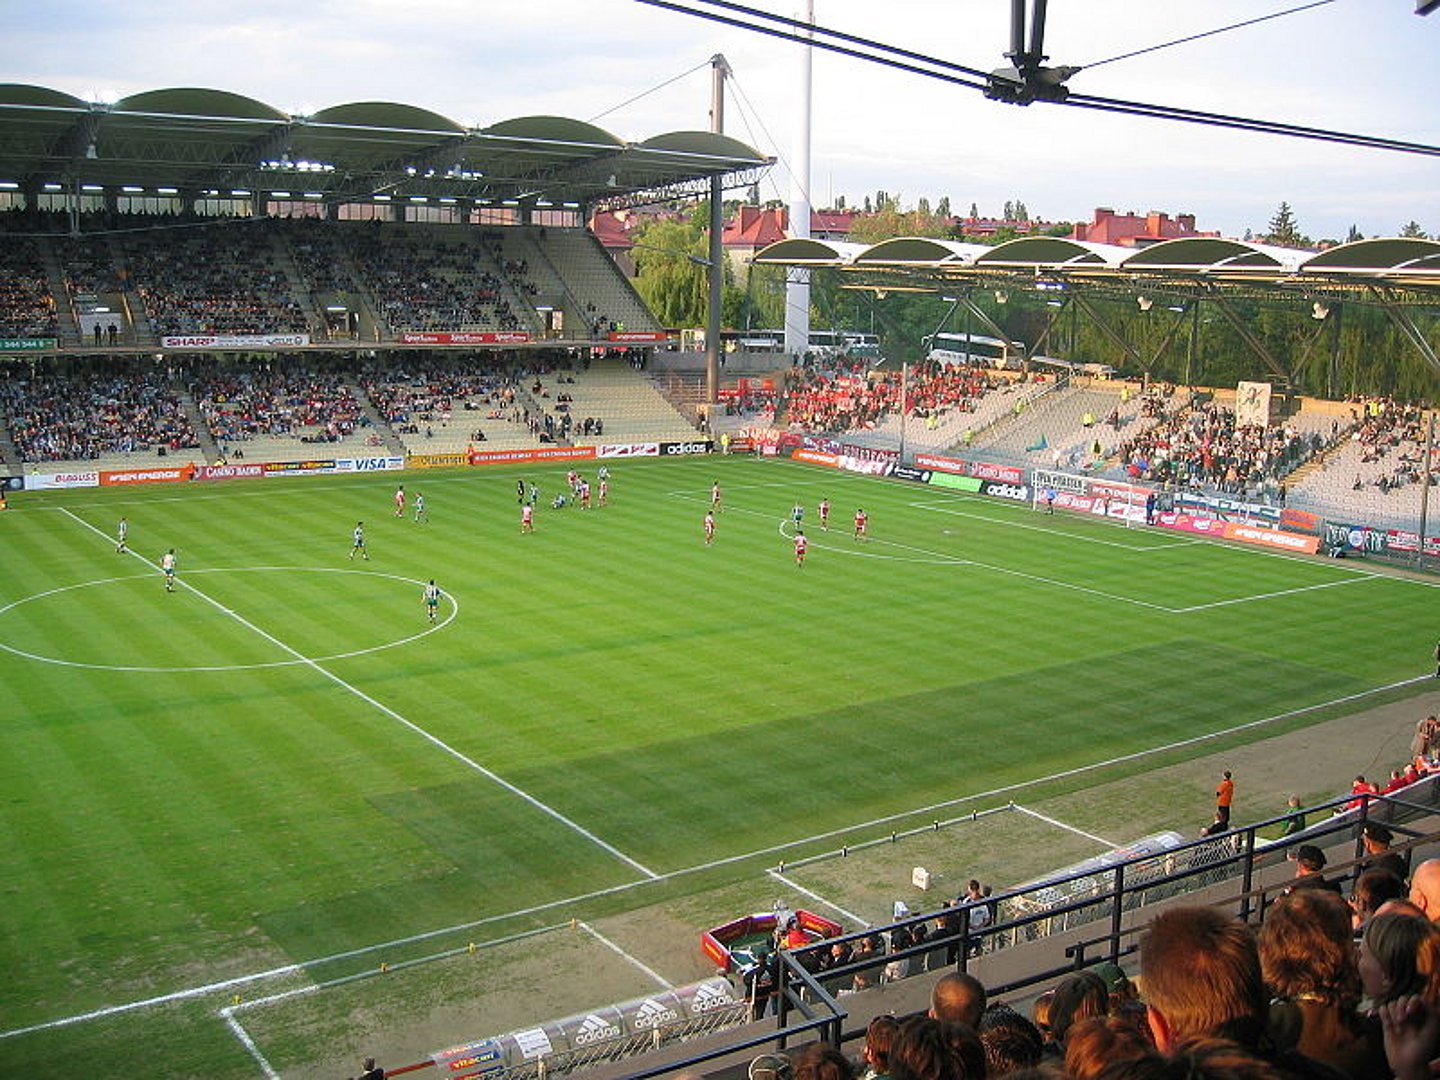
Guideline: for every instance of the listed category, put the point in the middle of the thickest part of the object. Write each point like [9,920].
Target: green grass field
[282,763]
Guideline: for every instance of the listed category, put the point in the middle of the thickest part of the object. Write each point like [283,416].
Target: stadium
[377,688]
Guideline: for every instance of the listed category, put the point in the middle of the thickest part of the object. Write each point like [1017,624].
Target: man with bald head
[958,998]
[1425,888]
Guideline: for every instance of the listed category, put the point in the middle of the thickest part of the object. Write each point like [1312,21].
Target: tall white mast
[797,279]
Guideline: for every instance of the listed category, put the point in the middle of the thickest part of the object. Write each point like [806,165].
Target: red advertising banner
[228,472]
[1006,474]
[555,453]
[1272,538]
[943,464]
[814,457]
[636,335]
[489,337]
[121,477]
[1299,521]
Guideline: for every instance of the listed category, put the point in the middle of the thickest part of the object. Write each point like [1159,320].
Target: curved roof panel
[1395,253]
[386,115]
[809,252]
[921,250]
[202,140]
[38,96]
[1052,251]
[197,102]
[558,129]
[1211,253]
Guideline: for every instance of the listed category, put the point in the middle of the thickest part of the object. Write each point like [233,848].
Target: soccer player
[421,514]
[604,489]
[400,501]
[800,545]
[715,496]
[527,518]
[167,565]
[520,491]
[825,514]
[709,528]
[432,599]
[797,513]
[122,532]
[584,494]
[604,473]
[359,545]
[862,521]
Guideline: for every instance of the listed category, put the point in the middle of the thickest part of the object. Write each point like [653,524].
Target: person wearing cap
[1121,989]
[1309,862]
[1377,838]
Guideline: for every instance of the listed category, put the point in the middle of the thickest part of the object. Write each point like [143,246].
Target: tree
[671,268]
[752,195]
[1008,213]
[868,208]
[1283,229]
[942,208]
[840,202]
[1021,213]
[1413,231]
[922,206]
[1353,235]
[974,211]
[882,200]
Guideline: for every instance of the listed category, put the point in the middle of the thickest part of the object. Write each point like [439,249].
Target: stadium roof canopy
[1390,271]
[201,141]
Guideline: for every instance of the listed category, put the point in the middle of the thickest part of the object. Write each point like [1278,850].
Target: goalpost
[1113,500]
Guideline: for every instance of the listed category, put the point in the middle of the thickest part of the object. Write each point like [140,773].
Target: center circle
[296,661]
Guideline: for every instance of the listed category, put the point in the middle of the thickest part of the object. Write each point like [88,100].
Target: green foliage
[1284,230]
[1413,230]
[669,279]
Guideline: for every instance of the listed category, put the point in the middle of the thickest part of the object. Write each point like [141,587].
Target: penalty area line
[776,875]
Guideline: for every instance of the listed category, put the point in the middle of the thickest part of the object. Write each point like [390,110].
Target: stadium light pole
[719,69]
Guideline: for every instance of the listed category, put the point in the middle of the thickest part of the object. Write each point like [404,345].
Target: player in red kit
[527,518]
[800,545]
[861,521]
[825,514]
[709,528]
[400,501]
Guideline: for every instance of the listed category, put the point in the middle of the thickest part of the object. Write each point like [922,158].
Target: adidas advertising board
[669,448]
[1015,492]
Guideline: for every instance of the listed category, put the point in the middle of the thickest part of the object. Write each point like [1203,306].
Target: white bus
[974,349]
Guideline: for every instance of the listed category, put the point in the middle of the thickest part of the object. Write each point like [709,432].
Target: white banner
[235,341]
[1252,404]
[369,464]
[63,480]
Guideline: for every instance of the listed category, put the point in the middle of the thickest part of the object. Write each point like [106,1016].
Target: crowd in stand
[1322,990]
[1387,430]
[415,400]
[221,280]
[27,310]
[239,404]
[844,395]
[82,416]
[1204,446]
[435,284]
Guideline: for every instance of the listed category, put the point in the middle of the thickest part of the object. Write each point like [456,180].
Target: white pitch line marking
[1067,828]
[1271,595]
[433,740]
[700,868]
[856,919]
[249,1044]
[634,961]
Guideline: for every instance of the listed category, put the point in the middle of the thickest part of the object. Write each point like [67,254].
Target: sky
[1364,66]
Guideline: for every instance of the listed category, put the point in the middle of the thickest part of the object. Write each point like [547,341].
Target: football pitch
[283,771]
